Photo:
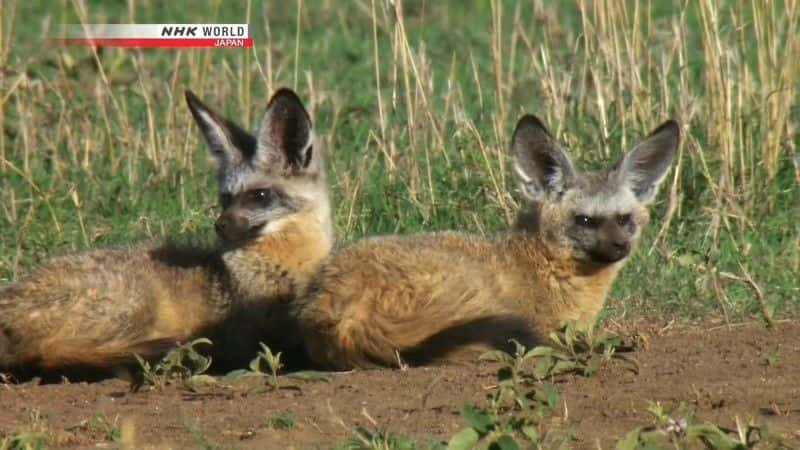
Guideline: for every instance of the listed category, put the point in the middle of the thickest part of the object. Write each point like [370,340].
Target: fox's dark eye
[261,195]
[623,219]
[225,200]
[586,221]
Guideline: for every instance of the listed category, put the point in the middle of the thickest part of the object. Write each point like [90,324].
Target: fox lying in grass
[95,310]
[434,297]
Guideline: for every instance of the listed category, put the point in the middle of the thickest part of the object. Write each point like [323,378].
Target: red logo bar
[158,42]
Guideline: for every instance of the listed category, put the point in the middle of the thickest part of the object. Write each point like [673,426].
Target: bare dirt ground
[745,371]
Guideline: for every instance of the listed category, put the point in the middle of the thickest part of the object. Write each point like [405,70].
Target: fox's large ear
[543,167]
[644,167]
[285,138]
[229,143]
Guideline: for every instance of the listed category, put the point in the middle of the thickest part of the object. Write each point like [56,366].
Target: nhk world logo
[171,35]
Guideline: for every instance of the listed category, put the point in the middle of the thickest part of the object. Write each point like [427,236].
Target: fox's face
[265,179]
[599,215]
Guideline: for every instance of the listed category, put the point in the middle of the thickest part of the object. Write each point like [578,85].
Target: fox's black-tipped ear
[285,136]
[229,143]
[644,167]
[542,166]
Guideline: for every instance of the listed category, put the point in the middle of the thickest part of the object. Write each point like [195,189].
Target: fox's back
[395,290]
[402,263]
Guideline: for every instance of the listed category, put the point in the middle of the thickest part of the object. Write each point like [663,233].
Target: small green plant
[579,349]
[575,349]
[681,429]
[184,365]
[513,367]
[366,439]
[517,408]
[28,440]
[272,361]
[268,365]
[112,432]
[33,437]
[282,422]
[512,419]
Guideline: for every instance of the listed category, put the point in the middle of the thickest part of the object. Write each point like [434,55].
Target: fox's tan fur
[438,296]
[97,308]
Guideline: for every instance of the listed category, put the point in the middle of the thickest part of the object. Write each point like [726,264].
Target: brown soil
[723,373]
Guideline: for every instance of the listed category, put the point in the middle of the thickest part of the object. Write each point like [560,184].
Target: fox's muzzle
[613,242]
[611,252]
[235,228]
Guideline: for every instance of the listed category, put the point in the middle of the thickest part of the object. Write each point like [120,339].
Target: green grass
[86,163]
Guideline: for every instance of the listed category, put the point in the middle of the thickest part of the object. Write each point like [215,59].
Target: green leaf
[609,339]
[630,441]
[543,367]
[657,411]
[556,338]
[234,375]
[550,395]
[540,351]
[463,440]
[477,418]
[531,433]
[564,366]
[496,356]
[255,365]
[519,349]
[196,381]
[504,442]
[591,367]
[308,375]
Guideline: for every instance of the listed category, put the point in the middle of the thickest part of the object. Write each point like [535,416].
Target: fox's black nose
[622,247]
[220,225]
[226,227]
[233,228]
